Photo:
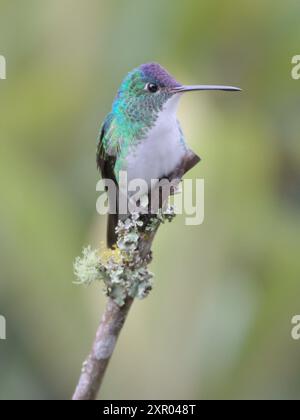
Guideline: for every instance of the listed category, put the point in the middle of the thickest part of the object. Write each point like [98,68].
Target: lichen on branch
[123,270]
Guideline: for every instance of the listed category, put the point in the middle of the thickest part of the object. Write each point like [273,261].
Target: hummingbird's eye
[151,87]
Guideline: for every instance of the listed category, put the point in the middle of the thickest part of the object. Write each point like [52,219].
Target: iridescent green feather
[134,112]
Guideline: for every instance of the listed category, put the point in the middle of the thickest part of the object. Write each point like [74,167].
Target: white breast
[160,152]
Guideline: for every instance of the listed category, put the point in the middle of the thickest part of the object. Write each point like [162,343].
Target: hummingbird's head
[144,91]
[151,81]
[147,90]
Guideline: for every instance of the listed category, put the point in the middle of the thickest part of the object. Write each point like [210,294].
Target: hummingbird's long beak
[191,88]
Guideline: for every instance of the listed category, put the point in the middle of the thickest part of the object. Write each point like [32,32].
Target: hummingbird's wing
[106,165]
[106,159]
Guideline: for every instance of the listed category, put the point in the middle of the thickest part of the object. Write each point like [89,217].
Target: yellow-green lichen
[122,270]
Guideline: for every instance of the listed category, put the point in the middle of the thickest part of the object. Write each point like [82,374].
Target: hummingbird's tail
[112,223]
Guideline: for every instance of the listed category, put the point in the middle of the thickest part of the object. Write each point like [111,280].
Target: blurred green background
[218,322]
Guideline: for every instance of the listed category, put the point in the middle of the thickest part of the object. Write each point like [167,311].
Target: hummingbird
[142,135]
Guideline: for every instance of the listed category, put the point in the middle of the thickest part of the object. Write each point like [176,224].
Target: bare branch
[94,367]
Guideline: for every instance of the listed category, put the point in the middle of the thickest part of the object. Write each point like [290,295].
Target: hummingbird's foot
[149,257]
[177,189]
